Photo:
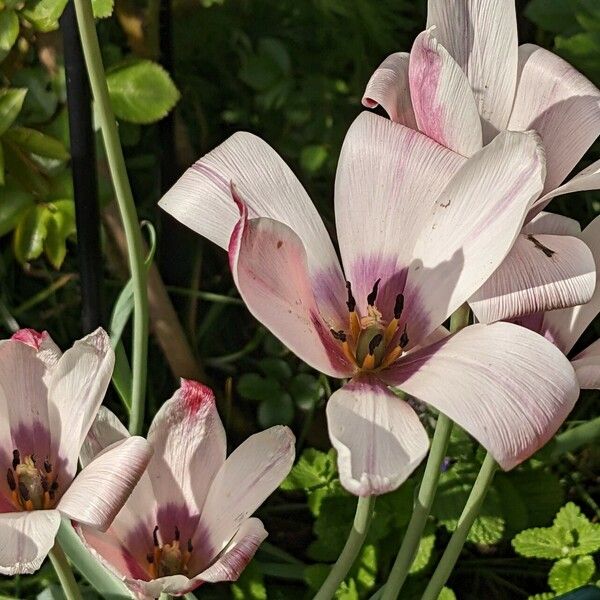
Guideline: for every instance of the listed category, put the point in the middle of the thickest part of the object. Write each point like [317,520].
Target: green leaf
[542,492]
[305,390]
[253,386]
[556,16]
[141,91]
[570,517]
[102,8]
[250,585]
[314,469]
[583,537]
[332,527]
[30,233]
[9,31]
[542,596]
[424,552]
[570,573]
[11,102]
[277,410]
[37,142]
[42,100]
[541,542]
[312,158]
[364,571]
[276,368]
[582,51]
[44,14]
[60,226]
[2,179]
[446,594]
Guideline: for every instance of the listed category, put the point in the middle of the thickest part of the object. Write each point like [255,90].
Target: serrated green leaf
[570,517]
[541,542]
[570,573]
[542,596]
[11,102]
[30,233]
[332,527]
[102,8]
[446,594]
[44,14]
[9,31]
[253,386]
[37,142]
[314,469]
[141,91]
[424,552]
[588,540]
[60,226]
[347,591]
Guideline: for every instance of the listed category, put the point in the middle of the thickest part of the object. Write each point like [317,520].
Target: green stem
[360,528]
[64,572]
[427,490]
[457,541]
[574,438]
[116,163]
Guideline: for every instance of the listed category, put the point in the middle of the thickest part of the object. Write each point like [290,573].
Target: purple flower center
[168,559]
[32,487]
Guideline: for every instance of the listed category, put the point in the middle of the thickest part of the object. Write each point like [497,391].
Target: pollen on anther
[16,459]
[10,478]
[47,466]
[189,546]
[373,295]
[351,302]
[399,306]
[404,339]
[339,335]
[155,536]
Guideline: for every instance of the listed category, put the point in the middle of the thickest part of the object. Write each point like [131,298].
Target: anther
[373,295]
[189,546]
[375,341]
[54,486]
[10,477]
[45,484]
[33,459]
[399,306]
[150,557]
[16,459]
[24,492]
[403,339]
[155,536]
[351,302]
[47,466]
[177,534]
[338,335]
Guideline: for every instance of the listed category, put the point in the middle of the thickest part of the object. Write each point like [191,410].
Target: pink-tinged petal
[387,181]
[27,537]
[100,490]
[389,87]
[201,199]
[249,476]
[105,431]
[465,239]
[564,327]
[481,36]
[508,387]
[541,272]
[588,179]
[76,390]
[174,585]
[237,555]
[444,105]
[31,337]
[269,266]
[378,437]
[560,104]
[189,445]
[587,367]
[546,222]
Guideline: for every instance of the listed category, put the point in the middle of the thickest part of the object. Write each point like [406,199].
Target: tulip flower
[416,241]
[48,402]
[188,520]
[466,79]
[564,327]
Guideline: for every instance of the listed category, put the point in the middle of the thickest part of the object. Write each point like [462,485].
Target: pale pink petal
[269,266]
[105,431]
[387,181]
[389,88]
[507,386]
[76,390]
[560,104]
[588,179]
[175,585]
[444,105]
[378,437]
[189,444]
[546,222]
[239,552]
[541,272]
[587,367]
[201,199]
[564,327]
[249,476]
[465,239]
[481,36]
[100,490]
[27,537]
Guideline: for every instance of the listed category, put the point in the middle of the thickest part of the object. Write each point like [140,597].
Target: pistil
[31,489]
[168,559]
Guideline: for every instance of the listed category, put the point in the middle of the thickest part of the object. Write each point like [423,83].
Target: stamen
[150,557]
[189,546]
[177,534]
[45,484]
[375,341]
[403,339]
[47,466]
[391,357]
[373,295]
[339,335]
[10,477]
[155,536]
[16,459]
[23,491]
[398,306]
[351,302]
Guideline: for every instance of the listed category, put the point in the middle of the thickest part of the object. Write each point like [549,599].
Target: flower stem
[572,439]
[360,528]
[427,490]
[64,572]
[116,163]
[457,541]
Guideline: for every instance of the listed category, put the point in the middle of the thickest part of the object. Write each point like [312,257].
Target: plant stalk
[64,572]
[124,196]
[358,533]
[457,541]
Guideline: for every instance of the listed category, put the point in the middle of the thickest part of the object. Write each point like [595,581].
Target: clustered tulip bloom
[465,80]
[416,241]
[188,520]
[48,402]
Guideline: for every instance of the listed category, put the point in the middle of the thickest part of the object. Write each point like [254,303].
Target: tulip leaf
[141,91]
[11,102]
[9,31]
[570,573]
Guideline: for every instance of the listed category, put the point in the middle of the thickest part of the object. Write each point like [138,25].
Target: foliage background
[293,73]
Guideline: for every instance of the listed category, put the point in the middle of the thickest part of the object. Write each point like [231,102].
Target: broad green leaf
[541,542]
[313,157]
[314,469]
[582,51]
[30,233]
[446,594]
[570,573]
[305,390]
[332,527]
[570,517]
[557,16]
[583,536]
[364,571]
[424,552]
[42,100]
[11,102]
[37,142]
[277,410]
[60,226]
[141,91]
[255,387]
[102,8]
[276,368]
[9,31]
[250,585]
[44,14]
[24,171]
[13,205]
[588,540]
[542,492]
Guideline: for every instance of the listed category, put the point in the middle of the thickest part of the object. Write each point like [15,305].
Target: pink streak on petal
[195,395]
[31,337]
